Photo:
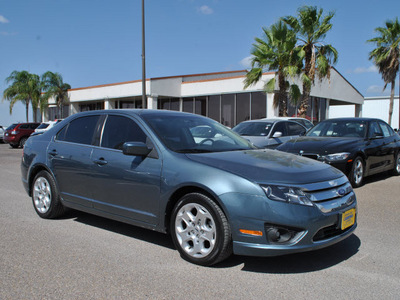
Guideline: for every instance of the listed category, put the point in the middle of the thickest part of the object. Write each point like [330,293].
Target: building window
[188,105]
[258,105]
[214,107]
[92,106]
[168,103]
[242,107]
[201,106]
[228,110]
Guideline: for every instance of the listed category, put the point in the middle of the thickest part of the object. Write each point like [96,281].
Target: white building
[219,96]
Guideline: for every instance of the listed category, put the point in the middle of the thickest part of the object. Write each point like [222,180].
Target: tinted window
[11,127]
[119,130]
[24,126]
[281,127]
[387,131]
[79,130]
[295,129]
[253,128]
[339,128]
[374,129]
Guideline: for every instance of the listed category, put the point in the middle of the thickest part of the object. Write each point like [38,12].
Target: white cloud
[3,19]
[246,62]
[360,70]
[205,10]
[377,89]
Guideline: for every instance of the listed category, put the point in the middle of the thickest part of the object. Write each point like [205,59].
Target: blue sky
[98,42]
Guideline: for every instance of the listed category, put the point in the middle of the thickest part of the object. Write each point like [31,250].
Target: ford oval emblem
[341,192]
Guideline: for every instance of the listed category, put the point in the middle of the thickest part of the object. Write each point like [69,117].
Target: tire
[14,146]
[356,175]
[45,197]
[396,167]
[200,230]
[22,142]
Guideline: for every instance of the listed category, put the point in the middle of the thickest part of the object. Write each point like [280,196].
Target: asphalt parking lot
[87,257]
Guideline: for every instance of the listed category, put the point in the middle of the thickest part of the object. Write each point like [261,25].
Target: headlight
[335,156]
[14,132]
[287,194]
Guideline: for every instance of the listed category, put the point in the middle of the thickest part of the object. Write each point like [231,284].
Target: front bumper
[312,229]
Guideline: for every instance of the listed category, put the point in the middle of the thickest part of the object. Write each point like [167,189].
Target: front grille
[331,195]
[328,232]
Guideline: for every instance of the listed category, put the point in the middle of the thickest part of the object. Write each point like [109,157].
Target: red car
[17,134]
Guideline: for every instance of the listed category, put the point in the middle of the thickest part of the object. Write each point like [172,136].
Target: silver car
[269,133]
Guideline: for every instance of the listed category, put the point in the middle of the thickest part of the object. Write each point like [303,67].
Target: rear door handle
[101,161]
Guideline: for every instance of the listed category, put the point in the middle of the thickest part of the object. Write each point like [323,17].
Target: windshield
[253,128]
[341,128]
[11,127]
[195,134]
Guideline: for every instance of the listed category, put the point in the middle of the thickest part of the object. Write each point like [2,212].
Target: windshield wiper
[193,151]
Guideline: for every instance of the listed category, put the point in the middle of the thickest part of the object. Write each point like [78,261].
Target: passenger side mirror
[135,149]
[277,134]
[377,135]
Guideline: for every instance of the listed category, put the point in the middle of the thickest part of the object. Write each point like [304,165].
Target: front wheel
[356,175]
[45,198]
[396,168]
[200,230]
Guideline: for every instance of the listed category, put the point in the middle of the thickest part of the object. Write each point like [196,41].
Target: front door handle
[53,152]
[101,161]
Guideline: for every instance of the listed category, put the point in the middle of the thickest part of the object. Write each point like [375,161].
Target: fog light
[281,235]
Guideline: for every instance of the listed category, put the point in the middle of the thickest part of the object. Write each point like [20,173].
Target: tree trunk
[282,96]
[391,103]
[27,110]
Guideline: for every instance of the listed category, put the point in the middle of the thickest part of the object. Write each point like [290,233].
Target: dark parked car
[357,146]
[269,133]
[17,134]
[192,177]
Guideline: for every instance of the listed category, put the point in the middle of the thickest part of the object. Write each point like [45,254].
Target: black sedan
[359,147]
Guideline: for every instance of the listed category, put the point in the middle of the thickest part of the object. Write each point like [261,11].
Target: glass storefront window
[188,105]
[258,105]
[201,106]
[228,110]
[242,107]
[214,107]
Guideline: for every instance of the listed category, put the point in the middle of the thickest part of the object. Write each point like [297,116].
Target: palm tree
[275,51]
[25,87]
[386,56]
[311,29]
[54,87]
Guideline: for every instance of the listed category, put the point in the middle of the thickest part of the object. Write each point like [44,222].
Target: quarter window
[119,130]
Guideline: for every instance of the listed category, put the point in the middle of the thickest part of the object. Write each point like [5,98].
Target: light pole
[143,61]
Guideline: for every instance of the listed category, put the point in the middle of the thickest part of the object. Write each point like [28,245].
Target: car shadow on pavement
[132,231]
[298,263]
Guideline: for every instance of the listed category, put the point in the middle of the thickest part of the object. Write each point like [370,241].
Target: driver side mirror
[135,149]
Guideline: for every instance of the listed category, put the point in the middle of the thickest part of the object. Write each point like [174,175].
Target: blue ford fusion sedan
[191,177]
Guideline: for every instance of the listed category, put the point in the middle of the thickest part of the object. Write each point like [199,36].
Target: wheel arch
[32,174]
[182,191]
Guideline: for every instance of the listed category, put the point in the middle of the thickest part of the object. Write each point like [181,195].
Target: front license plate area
[348,218]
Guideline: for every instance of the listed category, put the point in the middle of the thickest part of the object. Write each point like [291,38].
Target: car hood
[320,145]
[269,166]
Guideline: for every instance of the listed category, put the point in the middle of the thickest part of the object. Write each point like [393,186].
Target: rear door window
[79,131]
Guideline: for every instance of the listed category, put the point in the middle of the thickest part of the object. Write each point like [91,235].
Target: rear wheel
[396,168]
[356,175]
[45,197]
[200,230]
